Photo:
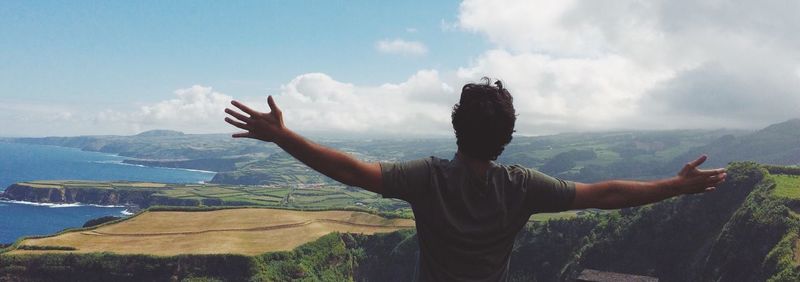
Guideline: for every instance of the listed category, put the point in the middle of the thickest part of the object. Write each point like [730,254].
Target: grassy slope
[741,232]
[787,186]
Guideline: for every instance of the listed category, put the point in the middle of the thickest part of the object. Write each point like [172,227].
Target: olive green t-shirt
[466,223]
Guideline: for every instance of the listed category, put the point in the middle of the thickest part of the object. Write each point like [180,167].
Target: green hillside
[745,231]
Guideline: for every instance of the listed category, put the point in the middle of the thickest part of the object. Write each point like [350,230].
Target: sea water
[24,162]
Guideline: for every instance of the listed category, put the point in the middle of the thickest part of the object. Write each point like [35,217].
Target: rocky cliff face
[96,196]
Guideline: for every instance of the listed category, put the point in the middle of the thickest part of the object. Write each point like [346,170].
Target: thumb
[272,106]
[700,160]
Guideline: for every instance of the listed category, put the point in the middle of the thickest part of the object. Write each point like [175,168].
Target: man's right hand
[267,127]
[332,163]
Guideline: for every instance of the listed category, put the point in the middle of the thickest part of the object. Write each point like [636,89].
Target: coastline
[59,205]
[121,158]
[31,162]
[122,162]
[128,211]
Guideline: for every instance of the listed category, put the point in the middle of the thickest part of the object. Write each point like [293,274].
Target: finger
[238,116]
[721,178]
[698,161]
[272,106]
[236,123]
[244,108]
[716,177]
[712,171]
[242,135]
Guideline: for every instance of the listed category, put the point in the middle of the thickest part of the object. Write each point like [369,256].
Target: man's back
[466,223]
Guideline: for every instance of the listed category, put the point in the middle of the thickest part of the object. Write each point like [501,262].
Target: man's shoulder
[513,168]
[438,161]
[431,161]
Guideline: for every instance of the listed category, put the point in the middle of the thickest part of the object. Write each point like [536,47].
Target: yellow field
[248,231]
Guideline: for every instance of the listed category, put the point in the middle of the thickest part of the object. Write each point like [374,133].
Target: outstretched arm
[269,127]
[617,194]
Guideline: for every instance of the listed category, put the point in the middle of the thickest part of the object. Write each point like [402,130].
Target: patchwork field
[248,231]
[146,194]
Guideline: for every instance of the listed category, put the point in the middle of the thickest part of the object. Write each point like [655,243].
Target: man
[468,210]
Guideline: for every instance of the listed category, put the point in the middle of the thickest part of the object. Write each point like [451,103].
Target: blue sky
[395,67]
[126,51]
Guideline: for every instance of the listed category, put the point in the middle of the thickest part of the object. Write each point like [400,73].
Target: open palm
[263,126]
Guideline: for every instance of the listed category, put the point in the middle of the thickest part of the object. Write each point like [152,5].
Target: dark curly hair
[484,119]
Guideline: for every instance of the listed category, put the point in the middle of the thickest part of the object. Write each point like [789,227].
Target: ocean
[23,162]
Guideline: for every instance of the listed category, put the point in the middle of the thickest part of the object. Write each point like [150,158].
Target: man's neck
[479,167]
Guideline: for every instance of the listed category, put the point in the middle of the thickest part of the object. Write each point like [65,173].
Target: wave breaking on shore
[60,205]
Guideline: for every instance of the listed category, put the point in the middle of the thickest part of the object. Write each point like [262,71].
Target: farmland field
[247,231]
[787,186]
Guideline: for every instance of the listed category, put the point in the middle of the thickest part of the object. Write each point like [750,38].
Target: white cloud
[312,103]
[197,109]
[315,102]
[31,119]
[193,105]
[401,47]
[520,25]
[571,65]
[553,94]
[575,65]
[448,26]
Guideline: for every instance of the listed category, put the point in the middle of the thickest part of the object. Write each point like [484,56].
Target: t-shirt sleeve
[405,180]
[548,194]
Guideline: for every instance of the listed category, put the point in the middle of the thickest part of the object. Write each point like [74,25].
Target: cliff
[88,195]
[147,194]
[141,197]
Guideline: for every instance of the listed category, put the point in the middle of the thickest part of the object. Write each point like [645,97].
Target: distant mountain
[160,133]
[160,145]
[585,157]
[775,144]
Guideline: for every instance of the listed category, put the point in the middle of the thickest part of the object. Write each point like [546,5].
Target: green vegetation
[722,236]
[741,232]
[787,186]
[111,267]
[776,144]
[45,248]
[552,216]
[784,258]
[334,257]
[100,220]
